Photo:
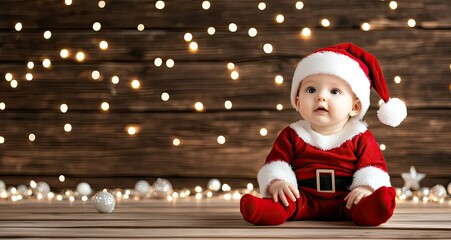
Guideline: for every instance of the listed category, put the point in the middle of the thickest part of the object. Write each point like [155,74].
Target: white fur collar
[352,128]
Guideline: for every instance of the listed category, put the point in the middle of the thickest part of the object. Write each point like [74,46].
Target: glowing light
[279,107]
[159,5]
[228,104]
[306,32]
[299,5]
[198,196]
[397,79]
[262,6]
[47,34]
[233,27]
[96,26]
[250,186]
[136,84]
[225,187]
[193,46]
[263,132]
[221,139]
[115,79]
[206,5]
[176,142]
[29,76]
[46,63]
[2,106]
[2,140]
[198,189]
[103,45]
[411,23]
[67,127]
[8,77]
[18,26]
[95,75]
[62,178]
[131,130]
[101,4]
[325,22]
[31,137]
[64,53]
[140,27]
[393,5]
[278,79]
[280,18]
[30,65]
[80,56]
[234,75]
[365,26]
[64,108]
[158,62]
[14,83]
[267,48]
[188,37]
[230,66]
[165,96]
[105,106]
[252,32]
[211,30]
[199,106]
[382,147]
[170,63]
[68,2]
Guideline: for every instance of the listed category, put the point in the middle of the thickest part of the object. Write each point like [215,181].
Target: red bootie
[264,211]
[376,208]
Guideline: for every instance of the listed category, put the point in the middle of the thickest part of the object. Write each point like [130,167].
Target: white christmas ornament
[412,179]
[84,189]
[449,188]
[2,185]
[22,189]
[142,187]
[42,187]
[214,185]
[162,188]
[104,202]
[438,192]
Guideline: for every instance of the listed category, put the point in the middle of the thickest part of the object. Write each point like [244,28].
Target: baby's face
[327,102]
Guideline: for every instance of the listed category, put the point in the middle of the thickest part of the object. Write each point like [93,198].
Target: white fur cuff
[370,176]
[275,170]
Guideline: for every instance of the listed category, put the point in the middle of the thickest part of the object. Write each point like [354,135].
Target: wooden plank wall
[99,150]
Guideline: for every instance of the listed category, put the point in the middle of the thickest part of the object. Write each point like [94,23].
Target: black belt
[326,181]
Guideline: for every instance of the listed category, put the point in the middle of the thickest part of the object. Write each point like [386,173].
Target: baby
[328,166]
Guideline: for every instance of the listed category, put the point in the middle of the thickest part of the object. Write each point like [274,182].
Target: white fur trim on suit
[275,170]
[370,176]
[336,64]
[305,132]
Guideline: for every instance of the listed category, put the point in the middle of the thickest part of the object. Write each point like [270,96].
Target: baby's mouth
[321,109]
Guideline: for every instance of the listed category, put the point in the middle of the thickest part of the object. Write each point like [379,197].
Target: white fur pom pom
[393,112]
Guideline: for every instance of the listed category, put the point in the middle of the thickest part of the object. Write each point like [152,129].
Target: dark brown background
[99,150]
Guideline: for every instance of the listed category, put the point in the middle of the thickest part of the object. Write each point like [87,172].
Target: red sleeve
[283,148]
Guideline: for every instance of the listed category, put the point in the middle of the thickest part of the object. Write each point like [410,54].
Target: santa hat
[360,70]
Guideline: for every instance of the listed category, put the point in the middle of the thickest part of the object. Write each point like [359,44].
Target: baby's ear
[356,108]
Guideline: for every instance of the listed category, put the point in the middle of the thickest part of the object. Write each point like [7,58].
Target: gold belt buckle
[318,180]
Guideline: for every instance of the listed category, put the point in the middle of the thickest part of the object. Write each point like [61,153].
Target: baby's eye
[311,90]
[335,91]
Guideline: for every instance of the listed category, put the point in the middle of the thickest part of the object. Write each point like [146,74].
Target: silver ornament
[162,188]
[2,186]
[412,179]
[424,192]
[438,192]
[449,188]
[142,187]
[42,188]
[22,189]
[104,202]
[84,189]
[214,184]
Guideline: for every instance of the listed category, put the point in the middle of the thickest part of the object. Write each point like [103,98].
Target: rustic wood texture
[206,219]
[98,148]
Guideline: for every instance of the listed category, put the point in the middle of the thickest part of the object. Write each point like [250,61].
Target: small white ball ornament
[104,202]
[22,189]
[214,184]
[42,187]
[438,192]
[162,188]
[449,188]
[84,189]
[142,187]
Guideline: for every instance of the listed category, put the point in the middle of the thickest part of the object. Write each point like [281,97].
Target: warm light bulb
[30,65]
[101,4]
[221,139]
[158,62]
[103,45]
[160,5]
[382,147]
[233,27]
[263,131]
[199,106]
[267,48]
[397,79]
[2,106]
[14,83]
[299,5]
[18,26]
[278,79]
[64,53]
[188,37]
[96,26]
[136,84]
[206,5]
[62,178]
[193,46]
[279,107]
[64,108]
[411,23]
[230,66]
[67,127]
[366,26]
[140,27]
[306,32]
[262,6]
[131,130]
[228,104]
[170,63]
[115,79]
[2,140]
[325,22]
[176,142]
[29,76]
[47,34]
[31,137]
[8,77]
[280,18]
[211,30]
[234,75]
[68,2]
[252,32]
[105,106]
[80,56]
[165,96]
[393,5]
[46,63]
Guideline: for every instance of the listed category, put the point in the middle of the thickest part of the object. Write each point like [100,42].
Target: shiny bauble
[104,202]
[42,188]
[214,185]
[142,187]
[424,192]
[162,188]
[22,190]
[84,189]
[438,192]
[449,188]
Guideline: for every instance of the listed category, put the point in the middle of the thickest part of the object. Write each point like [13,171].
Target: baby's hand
[279,188]
[357,194]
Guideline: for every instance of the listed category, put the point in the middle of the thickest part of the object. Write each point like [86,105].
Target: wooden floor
[201,219]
